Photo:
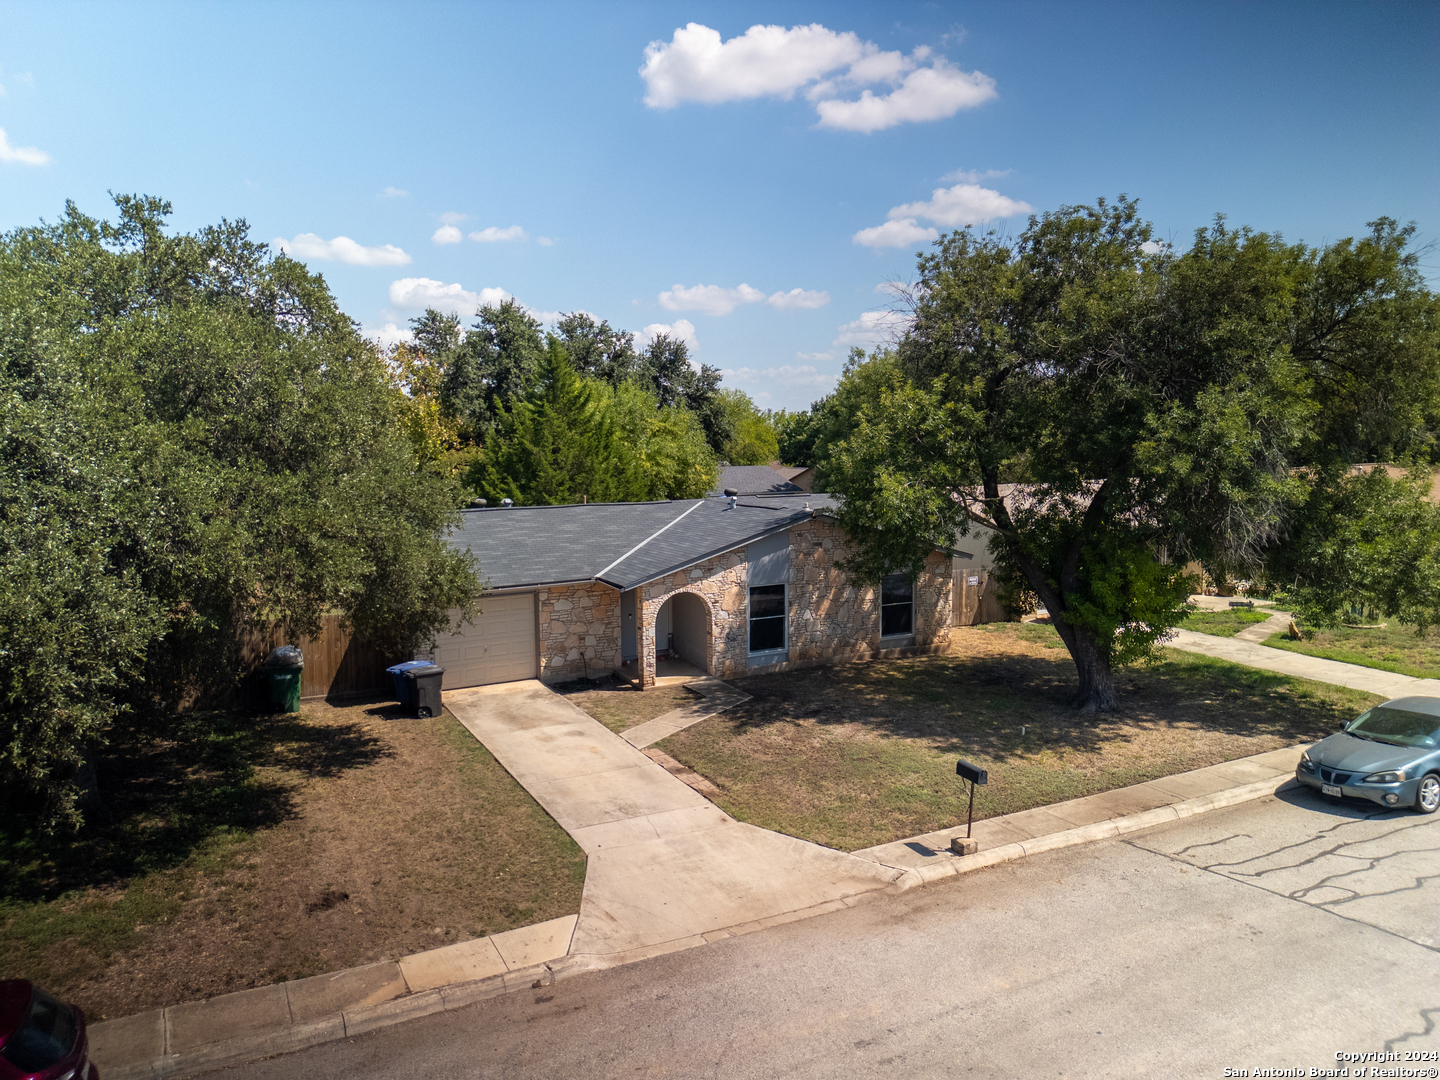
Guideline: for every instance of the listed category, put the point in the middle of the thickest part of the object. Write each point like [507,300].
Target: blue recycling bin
[405,688]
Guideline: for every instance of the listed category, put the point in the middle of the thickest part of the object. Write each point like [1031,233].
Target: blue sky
[752,189]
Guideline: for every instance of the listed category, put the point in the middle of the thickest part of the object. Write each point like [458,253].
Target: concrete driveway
[667,869]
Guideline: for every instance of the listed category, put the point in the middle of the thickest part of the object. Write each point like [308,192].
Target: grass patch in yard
[1395,648]
[255,849]
[1226,623]
[619,706]
[860,754]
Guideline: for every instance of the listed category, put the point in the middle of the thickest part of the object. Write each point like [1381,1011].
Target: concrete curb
[1085,834]
[292,1037]
[110,1040]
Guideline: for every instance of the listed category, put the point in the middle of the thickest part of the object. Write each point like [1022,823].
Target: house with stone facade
[730,585]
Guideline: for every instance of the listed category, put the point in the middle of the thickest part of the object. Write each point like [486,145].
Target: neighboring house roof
[756,480]
[620,544]
[1395,472]
[789,472]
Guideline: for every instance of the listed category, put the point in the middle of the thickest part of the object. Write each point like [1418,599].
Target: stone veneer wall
[721,583]
[579,631]
[829,618]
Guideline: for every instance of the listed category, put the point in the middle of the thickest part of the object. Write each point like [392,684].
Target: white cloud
[953,207]
[389,334]
[426,292]
[961,205]
[21,155]
[771,61]
[788,375]
[682,329]
[447,234]
[718,300]
[798,298]
[709,299]
[764,61]
[394,193]
[974,176]
[896,234]
[927,93]
[544,241]
[341,249]
[492,235]
[873,328]
[453,217]
[815,356]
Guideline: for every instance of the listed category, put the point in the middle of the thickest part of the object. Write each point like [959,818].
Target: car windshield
[45,1036]
[1398,726]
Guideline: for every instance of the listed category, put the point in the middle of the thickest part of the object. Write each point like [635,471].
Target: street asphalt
[1269,935]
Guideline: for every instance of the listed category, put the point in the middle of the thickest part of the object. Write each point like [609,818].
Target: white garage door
[498,647]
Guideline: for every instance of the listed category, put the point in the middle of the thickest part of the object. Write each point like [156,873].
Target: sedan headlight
[1306,761]
[1385,778]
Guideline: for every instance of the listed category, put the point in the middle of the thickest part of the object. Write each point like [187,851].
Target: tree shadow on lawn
[218,774]
[978,704]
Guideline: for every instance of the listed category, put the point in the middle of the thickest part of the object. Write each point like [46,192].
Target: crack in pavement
[1298,844]
[1371,862]
[1428,1015]
[1284,896]
[1215,843]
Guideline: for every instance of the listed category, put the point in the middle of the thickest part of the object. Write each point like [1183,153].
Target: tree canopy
[487,368]
[195,441]
[1111,409]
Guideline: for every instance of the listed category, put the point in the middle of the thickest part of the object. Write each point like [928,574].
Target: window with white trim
[767,618]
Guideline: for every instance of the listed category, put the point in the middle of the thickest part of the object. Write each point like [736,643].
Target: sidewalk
[1095,817]
[1372,680]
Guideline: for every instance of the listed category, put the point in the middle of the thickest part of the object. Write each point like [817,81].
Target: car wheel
[1427,795]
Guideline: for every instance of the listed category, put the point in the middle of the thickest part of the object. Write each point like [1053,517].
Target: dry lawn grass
[619,706]
[279,848]
[862,754]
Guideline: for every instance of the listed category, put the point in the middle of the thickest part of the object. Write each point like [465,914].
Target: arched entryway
[682,632]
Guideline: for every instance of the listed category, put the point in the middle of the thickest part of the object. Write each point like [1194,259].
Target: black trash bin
[282,671]
[423,690]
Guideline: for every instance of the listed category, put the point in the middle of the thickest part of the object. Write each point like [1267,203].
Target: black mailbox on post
[974,775]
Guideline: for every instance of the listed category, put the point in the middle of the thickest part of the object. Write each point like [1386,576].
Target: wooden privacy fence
[976,601]
[336,664]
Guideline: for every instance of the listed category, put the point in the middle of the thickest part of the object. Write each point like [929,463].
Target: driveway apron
[665,867]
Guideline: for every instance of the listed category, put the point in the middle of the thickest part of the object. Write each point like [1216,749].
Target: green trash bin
[283,668]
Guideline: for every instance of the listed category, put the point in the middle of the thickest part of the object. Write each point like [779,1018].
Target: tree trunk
[87,781]
[1097,681]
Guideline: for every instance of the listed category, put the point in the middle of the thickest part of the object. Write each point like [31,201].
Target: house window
[767,618]
[897,606]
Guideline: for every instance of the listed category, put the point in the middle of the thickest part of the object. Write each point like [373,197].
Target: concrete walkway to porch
[667,869]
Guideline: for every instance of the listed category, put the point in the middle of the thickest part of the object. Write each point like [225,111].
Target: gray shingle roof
[621,544]
[756,480]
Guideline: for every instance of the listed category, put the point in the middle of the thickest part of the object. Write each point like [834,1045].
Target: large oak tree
[1111,409]
[194,441]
